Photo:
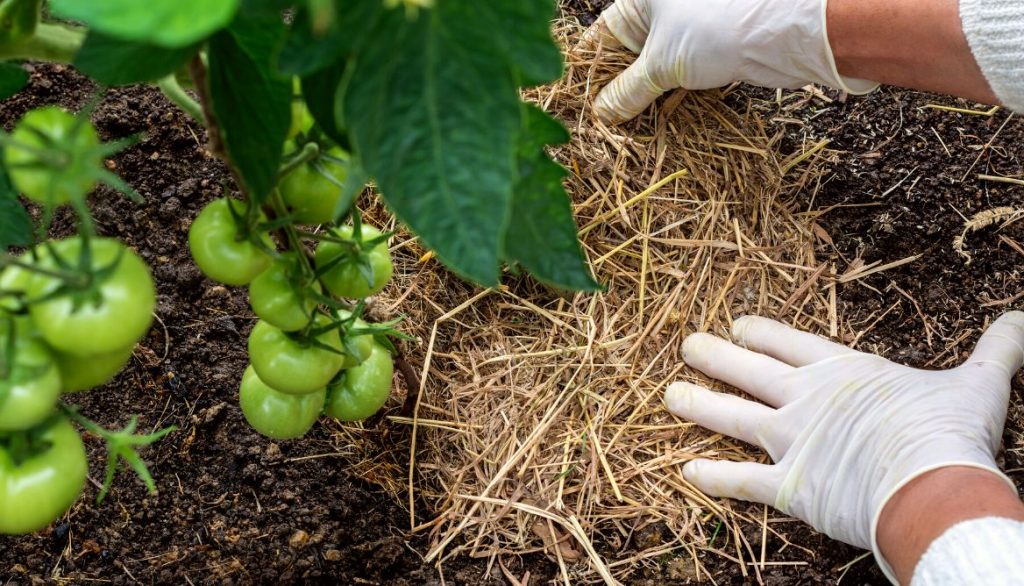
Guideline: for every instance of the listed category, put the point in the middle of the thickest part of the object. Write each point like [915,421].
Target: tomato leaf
[166,23]
[542,234]
[305,51]
[12,79]
[15,223]
[251,102]
[112,61]
[320,90]
[433,113]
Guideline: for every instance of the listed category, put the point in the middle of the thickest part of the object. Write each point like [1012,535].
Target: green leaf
[305,51]
[320,91]
[15,223]
[112,61]
[542,233]
[166,23]
[433,113]
[12,79]
[251,102]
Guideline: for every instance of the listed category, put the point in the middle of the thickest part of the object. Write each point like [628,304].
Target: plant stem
[309,151]
[174,92]
[70,277]
[51,42]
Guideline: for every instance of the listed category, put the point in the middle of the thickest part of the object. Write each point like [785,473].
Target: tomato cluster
[310,352]
[71,313]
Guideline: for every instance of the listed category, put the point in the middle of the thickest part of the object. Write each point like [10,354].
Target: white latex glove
[702,44]
[845,429]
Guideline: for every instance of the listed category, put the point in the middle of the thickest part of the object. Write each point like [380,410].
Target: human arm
[846,430]
[928,506]
[789,44]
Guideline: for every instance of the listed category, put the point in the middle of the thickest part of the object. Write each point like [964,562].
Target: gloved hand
[845,429]
[702,44]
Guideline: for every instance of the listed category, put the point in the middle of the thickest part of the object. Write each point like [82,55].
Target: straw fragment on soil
[539,426]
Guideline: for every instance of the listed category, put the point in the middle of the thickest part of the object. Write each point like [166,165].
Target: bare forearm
[917,44]
[924,509]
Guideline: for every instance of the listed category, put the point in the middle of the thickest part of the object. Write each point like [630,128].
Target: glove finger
[1002,345]
[754,373]
[627,95]
[748,481]
[628,22]
[721,413]
[783,342]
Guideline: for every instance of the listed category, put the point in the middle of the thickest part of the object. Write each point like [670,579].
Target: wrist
[917,44]
[922,510]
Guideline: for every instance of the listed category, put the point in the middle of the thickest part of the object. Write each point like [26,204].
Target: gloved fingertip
[679,397]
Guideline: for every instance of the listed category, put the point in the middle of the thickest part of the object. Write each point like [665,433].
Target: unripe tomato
[68,171]
[310,196]
[14,280]
[219,249]
[278,300]
[81,373]
[362,390]
[293,366]
[344,279]
[113,312]
[37,491]
[30,391]
[275,414]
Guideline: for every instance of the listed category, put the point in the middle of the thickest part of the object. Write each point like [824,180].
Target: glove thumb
[628,94]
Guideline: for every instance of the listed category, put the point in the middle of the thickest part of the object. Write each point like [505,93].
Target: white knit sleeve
[995,33]
[987,551]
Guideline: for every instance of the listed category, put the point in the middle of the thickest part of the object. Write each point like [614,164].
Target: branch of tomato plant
[175,93]
[120,445]
[51,42]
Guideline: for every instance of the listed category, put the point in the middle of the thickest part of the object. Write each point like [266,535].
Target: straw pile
[539,424]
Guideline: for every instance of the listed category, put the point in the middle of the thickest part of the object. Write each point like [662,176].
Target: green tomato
[278,300]
[344,279]
[14,281]
[113,312]
[218,248]
[69,173]
[361,391]
[293,366]
[359,347]
[37,491]
[275,414]
[32,386]
[310,196]
[81,373]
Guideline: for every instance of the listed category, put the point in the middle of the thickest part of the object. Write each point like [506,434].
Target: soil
[235,507]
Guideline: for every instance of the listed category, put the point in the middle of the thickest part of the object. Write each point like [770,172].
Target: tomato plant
[466,172]
[40,477]
[224,247]
[362,390]
[275,414]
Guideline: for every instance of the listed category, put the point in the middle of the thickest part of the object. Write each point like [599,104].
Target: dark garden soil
[235,507]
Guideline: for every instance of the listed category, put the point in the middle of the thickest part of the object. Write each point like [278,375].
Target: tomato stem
[175,93]
[309,151]
[51,42]
[72,278]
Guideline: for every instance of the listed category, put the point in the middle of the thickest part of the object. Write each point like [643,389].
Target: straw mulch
[539,424]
